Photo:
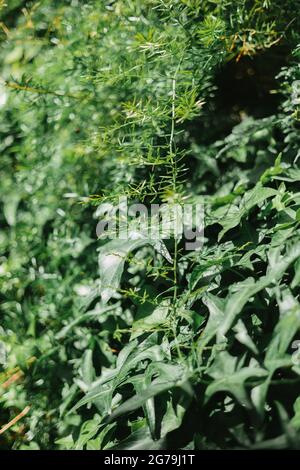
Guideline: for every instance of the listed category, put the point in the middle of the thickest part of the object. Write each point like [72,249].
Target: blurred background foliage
[86,104]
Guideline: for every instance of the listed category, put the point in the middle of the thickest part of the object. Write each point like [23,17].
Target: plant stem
[174,183]
[172,151]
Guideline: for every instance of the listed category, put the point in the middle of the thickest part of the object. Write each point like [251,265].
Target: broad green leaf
[160,384]
[252,198]
[156,319]
[112,259]
[230,376]
[295,421]
[243,336]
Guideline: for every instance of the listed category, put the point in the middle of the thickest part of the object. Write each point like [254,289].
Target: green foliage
[126,343]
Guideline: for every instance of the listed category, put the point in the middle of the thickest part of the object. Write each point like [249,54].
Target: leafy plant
[135,343]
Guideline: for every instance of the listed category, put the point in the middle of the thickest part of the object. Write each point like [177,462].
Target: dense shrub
[161,101]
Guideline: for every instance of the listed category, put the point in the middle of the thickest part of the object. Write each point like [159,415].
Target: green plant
[164,102]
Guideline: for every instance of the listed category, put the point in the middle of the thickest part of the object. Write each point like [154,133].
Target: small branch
[41,91]
[14,374]
[15,420]
[12,379]
[4,28]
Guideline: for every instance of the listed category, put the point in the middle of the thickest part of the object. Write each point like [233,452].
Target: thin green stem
[174,183]
[172,151]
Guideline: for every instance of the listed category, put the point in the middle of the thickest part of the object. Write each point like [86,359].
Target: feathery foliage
[163,101]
